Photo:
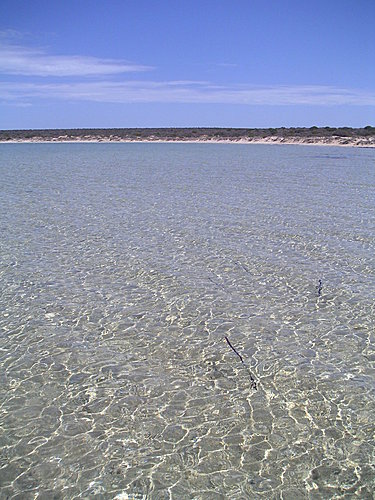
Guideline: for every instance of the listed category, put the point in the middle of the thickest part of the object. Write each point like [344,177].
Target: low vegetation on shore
[326,135]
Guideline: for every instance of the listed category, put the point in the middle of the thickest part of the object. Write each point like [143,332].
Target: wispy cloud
[9,34]
[226,65]
[33,63]
[185,92]
[19,60]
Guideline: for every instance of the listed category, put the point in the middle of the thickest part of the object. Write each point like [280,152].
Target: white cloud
[227,65]
[18,60]
[11,34]
[29,62]
[184,92]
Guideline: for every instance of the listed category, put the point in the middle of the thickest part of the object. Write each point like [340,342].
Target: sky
[196,63]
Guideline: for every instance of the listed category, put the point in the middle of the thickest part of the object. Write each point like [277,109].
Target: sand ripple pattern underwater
[124,268]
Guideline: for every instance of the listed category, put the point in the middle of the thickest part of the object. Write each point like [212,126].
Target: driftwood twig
[253,382]
[319,288]
[234,350]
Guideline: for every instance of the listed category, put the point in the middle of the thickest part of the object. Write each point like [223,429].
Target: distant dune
[327,136]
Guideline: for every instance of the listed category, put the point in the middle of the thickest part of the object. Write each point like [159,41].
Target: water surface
[123,269]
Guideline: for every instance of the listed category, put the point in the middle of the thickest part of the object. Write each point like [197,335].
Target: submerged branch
[253,382]
[319,288]
[234,350]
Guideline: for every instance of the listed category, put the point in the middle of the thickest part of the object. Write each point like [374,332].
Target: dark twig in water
[319,287]
[243,267]
[234,350]
[219,285]
[253,383]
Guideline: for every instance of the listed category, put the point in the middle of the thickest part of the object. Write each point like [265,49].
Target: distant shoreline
[313,136]
[267,141]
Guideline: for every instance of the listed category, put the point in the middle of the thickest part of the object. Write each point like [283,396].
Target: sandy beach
[362,142]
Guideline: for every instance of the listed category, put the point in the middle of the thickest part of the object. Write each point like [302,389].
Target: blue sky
[159,63]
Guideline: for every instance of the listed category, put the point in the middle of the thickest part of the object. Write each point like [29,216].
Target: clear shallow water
[123,268]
